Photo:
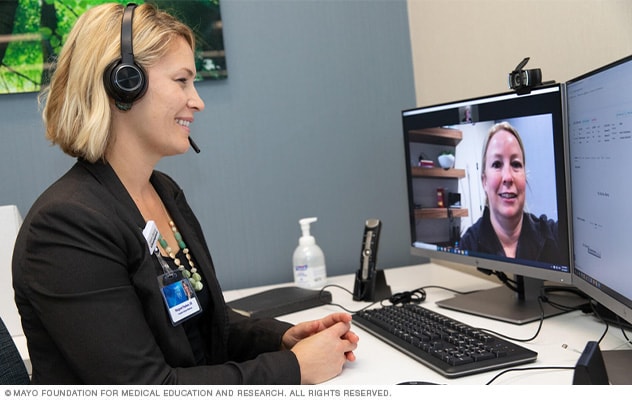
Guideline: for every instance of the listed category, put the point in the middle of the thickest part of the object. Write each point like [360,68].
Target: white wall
[466,48]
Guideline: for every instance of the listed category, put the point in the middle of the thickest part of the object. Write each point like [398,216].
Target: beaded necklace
[193,275]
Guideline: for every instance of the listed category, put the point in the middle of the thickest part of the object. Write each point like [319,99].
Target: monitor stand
[506,305]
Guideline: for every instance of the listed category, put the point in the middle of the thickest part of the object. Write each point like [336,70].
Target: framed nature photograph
[32,33]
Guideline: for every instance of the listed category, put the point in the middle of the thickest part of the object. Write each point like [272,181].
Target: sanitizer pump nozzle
[307,238]
[308,259]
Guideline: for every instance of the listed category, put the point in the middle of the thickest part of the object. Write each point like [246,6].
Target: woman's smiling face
[504,178]
[162,117]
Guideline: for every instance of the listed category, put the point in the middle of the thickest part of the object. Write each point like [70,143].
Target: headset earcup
[124,80]
[125,83]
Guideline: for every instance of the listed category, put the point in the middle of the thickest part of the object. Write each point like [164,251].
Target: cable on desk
[413,296]
[550,289]
[591,305]
[594,310]
[544,298]
[514,286]
[535,335]
[448,289]
[523,369]
[351,293]
[541,299]
[610,318]
[510,283]
[625,335]
[419,295]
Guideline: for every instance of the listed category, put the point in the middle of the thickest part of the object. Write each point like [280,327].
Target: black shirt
[539,239]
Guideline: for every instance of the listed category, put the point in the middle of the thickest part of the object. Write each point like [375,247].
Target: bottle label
[306,276]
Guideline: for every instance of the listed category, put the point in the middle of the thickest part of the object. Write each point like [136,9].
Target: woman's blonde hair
[77,109]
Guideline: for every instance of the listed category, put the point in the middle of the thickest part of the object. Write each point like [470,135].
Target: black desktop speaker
[124,80]
[590,368]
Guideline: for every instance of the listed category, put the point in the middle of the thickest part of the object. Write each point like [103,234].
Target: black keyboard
[448,346]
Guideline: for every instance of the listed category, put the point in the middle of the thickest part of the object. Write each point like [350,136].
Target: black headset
[124,80]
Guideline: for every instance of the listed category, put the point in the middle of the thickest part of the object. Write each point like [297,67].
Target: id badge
[179,297]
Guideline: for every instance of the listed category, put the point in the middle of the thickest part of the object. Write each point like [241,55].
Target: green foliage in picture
[33,31]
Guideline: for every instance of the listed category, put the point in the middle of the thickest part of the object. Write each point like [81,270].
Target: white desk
[560,342]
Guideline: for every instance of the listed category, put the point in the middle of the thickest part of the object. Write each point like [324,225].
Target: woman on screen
[102,249]
[505,229]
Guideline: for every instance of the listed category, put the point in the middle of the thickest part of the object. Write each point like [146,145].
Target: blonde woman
[106,257]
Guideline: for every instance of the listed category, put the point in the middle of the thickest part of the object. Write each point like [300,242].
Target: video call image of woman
[506,229]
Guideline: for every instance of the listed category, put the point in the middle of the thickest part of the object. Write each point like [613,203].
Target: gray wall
[307,124]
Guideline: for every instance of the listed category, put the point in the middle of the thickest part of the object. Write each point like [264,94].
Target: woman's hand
[322,346]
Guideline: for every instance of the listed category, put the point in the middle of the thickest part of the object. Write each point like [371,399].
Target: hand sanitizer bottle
[308,259]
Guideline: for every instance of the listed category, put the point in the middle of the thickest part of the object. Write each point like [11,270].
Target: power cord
[524,369]
[543,298]
[340,305]
[510,283]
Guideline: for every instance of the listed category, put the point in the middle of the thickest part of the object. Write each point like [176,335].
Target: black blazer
[86,288]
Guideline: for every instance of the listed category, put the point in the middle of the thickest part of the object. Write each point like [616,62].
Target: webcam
[523,80]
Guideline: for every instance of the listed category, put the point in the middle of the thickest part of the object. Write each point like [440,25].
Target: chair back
[10,222]
[12,368]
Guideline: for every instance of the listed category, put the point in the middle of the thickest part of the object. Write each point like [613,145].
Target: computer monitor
[454,217]
[600,148]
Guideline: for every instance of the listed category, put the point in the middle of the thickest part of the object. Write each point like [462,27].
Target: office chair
[12,368]
[11,333]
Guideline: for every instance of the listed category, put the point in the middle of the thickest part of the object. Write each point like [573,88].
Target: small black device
[368,256]
[590,368]
[370,283]
[523,80]
[124,80]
